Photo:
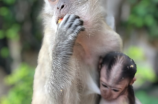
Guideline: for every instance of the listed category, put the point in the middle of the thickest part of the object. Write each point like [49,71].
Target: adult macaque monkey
[70,52]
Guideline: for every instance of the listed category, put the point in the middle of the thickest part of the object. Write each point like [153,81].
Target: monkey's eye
[115,90]
[104,85]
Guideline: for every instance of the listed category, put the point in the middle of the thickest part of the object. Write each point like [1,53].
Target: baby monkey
[117,74]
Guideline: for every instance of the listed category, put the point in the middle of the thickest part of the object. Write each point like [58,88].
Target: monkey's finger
[79,28]
[65,19]
[76,23]
[71,20]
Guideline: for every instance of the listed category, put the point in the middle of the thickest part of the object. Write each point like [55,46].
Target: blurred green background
[21,37]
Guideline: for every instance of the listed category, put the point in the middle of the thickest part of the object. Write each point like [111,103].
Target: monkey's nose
[60,7]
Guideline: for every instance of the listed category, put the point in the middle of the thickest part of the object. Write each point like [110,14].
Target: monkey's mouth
[59,20]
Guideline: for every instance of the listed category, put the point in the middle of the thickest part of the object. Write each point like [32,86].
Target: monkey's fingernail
[82,29]
[82,22]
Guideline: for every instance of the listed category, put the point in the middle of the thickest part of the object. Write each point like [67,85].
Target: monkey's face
[111,89]
[59,8]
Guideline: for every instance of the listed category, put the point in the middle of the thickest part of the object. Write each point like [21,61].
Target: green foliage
[10,28]
[2,34]
[144,15]
[4,52]
[4,11]
[12,32]
[22,84]
[135,53]
[18,22]
[145,98]
[144,70]
[9,2]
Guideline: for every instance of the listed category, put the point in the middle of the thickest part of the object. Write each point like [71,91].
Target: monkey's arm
[61,71]
[55,74]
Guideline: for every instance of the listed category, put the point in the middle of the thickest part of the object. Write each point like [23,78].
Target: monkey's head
[116,75]
[88,10]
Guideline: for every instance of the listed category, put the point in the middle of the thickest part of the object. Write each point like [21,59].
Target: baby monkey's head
[116,75]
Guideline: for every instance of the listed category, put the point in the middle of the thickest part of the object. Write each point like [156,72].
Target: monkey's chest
[90,48]
[87,54]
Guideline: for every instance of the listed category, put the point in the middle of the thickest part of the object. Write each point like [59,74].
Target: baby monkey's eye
[115,90]
[104,85]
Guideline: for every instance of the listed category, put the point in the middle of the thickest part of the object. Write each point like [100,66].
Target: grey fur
[68,57]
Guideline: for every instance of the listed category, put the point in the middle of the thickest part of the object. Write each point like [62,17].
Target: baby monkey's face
[109,87]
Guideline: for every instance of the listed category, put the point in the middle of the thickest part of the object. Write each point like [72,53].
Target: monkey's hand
[68,30]
[66,35]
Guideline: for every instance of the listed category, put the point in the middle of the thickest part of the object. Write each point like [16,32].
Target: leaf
[135,53]
[13,32]
[4,11]
[2,35]
[149,20]
[145,98]
[4,52]
[9,2]
[22,81]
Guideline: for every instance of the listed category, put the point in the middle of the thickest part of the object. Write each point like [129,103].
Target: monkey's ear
[110,20]
[133,80]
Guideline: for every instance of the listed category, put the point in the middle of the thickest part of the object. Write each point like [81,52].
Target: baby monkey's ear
[132,81]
